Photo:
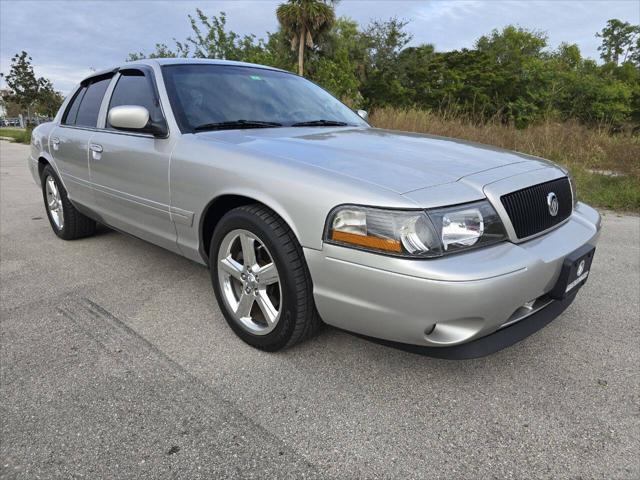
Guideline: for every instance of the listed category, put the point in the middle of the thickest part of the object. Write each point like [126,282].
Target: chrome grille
[528,208]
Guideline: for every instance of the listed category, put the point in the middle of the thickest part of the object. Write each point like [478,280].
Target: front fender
[302,194]
[259,196]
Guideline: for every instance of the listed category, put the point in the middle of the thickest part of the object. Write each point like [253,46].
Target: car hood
[399,161]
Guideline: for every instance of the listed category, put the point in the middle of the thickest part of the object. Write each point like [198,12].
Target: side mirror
[135,118]
[363,115]
[128,117]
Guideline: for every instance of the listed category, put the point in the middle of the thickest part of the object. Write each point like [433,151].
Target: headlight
[467,226]
[393,231]
[419,234]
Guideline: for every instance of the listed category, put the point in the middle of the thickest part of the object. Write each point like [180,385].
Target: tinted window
[72,111]
[202,94]
[90,105]
[135,89]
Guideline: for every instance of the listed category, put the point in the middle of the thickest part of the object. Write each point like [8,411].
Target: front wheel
[261,280]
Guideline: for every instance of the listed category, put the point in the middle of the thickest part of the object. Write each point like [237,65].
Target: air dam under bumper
[451,300]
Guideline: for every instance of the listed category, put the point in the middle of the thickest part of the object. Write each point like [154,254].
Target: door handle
[96,151]
[55,141]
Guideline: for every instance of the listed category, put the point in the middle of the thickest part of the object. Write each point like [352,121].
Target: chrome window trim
[106,130]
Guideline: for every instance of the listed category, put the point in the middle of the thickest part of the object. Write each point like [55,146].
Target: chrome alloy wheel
[54,202]
[249,282]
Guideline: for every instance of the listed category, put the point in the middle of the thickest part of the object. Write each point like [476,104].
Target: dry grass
[575,146]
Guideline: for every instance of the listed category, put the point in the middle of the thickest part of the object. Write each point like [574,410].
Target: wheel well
[216,209]
[42,162]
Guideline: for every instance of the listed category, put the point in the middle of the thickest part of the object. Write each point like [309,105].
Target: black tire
[75,224]
[299,319]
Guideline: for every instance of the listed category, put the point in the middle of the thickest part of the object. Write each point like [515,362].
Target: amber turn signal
[368,241]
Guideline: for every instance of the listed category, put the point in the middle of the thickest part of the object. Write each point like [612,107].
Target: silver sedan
[306,214]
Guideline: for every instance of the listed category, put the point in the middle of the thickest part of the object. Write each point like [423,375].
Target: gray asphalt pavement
[116,363]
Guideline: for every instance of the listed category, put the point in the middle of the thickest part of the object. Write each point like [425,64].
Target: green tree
[28,91]
[11,108]
[22,81]
[568,55]
[338,61]
[49,100]
[385,41]
[510,75]
[620,42]
[212,39]
[518,63]
[161,51]
[512,44]
[303,19]
[337,75]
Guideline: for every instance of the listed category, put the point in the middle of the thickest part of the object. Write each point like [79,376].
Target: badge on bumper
[574,273]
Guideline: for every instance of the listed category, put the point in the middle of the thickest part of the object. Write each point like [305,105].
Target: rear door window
[90,105]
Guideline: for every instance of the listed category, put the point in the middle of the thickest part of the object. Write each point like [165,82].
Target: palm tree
[303,19]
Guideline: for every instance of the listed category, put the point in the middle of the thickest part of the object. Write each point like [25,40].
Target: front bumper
[493,342]
[446,301]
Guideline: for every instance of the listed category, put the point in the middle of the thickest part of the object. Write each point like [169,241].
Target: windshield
[221,96]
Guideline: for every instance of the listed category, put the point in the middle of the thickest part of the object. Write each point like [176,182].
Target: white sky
[67,38]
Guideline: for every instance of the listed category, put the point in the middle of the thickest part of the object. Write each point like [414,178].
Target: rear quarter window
[90,105]
[72,111]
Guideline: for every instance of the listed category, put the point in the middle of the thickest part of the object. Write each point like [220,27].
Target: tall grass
[606,166]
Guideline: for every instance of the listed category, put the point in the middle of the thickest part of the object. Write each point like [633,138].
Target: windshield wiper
[320,123]
[235,124]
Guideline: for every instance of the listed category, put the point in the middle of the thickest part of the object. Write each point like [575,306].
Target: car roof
[179,61]
[210,61]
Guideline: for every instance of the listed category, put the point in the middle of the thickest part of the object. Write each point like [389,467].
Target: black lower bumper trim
[498,340]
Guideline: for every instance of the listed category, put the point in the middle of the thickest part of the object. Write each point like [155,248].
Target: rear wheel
[66,221]
[261,279]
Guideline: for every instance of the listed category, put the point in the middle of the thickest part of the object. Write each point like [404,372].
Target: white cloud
[457,24]
[65,77]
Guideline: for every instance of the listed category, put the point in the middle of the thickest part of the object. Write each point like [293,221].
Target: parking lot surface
[116,363]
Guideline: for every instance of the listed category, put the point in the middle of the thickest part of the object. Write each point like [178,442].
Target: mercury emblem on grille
[552,202]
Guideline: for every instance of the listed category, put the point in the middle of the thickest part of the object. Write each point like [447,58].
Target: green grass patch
[19,135]
[604,191]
